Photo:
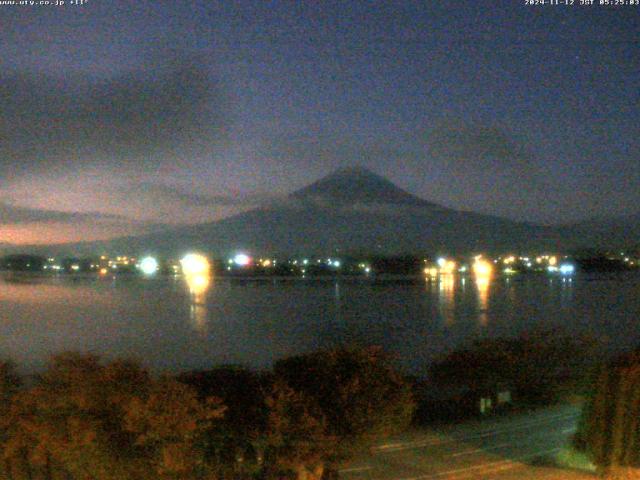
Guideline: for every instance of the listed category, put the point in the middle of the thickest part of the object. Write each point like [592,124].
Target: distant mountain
[354,210]
[611,232]
[351,210]
[357,185]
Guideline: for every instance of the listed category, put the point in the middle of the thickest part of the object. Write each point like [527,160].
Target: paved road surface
[500,448]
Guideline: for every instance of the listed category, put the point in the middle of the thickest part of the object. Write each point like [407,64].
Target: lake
[173,325]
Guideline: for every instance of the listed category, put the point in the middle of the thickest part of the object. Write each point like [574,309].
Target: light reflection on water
[446,297]
[175,323]
[198,285]
[483,283]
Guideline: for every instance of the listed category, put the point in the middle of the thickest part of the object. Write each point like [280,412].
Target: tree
[9,384]
[237,441]
[538,366]
[170,423]
[359,393]
[296,443]
[610,427]
[88,420]
[71,420]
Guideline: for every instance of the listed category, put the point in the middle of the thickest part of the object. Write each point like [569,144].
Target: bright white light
[567,269]
[336,263]
[552,268]
[148,265]
[441,262]
[242,260]
[194,264]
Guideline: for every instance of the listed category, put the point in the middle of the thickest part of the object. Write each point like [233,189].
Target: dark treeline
[538,368]
[23,263]
[365,265]
[88,419]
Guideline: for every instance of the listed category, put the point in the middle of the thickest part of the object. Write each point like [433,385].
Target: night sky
[120,117]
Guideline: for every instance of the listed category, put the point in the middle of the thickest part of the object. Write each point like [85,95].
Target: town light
[482,267]
[148,265]
[567,269]
[448,267]
[194,264]
[431,271]
[242,260]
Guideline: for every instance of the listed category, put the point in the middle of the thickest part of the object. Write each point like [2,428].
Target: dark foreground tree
[358,392]
[538,367]
[610,427]
[236,442]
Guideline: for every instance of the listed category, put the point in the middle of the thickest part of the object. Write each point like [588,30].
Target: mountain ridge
[353,209]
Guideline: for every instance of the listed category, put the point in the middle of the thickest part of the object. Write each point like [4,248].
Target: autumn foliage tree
[297,444]
[9,384]
[170,424]
[88,420]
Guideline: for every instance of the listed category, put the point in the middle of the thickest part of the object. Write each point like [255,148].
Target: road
[501,448]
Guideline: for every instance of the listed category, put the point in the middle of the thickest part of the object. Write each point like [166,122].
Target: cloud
[12,214]
[479,146]
[166,193]
[170,108]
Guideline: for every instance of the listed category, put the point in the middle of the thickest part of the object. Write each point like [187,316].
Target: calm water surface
[171,324]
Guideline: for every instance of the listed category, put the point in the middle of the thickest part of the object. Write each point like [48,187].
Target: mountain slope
[351,210]
[355,210]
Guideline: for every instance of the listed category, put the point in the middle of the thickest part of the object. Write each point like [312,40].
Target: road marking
[488,448]
[476,450]
[500,465]
[525,423]
[395,447]
[354,469]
